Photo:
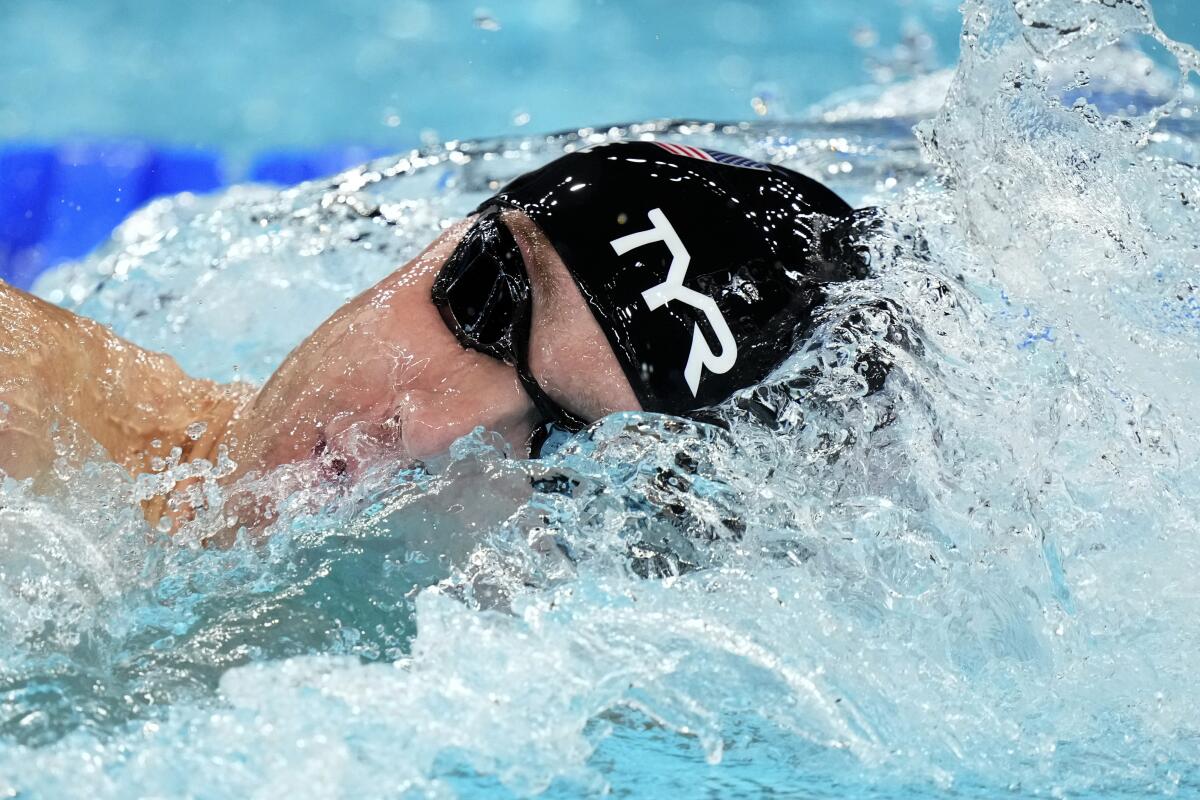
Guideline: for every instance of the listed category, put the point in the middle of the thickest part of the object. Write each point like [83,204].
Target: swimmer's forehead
[546,270]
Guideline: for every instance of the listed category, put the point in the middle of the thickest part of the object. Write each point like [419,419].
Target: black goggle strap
[550,410]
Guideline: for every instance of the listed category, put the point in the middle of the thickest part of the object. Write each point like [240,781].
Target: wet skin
[383,378]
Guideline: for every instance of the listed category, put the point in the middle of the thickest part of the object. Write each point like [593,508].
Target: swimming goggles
[484,296]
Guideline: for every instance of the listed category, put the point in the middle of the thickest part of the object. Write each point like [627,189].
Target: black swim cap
[702,268]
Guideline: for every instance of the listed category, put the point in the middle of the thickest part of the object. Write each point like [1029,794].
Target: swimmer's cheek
[433,421]
[418,424]
[426,428]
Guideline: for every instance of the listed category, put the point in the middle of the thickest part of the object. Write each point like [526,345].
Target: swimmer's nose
[332,466]
[343,452]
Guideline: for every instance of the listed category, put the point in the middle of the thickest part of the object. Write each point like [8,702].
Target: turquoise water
[256,75]
[978,582]
[106,105]
[260,74]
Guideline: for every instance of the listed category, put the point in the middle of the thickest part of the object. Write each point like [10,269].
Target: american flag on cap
[715,156]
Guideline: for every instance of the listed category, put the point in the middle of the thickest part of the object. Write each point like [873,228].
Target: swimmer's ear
[845,244]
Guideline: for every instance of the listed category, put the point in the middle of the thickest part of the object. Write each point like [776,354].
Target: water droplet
[865,36]
[485,21]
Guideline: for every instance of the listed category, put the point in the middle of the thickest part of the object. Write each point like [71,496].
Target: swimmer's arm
[66,381]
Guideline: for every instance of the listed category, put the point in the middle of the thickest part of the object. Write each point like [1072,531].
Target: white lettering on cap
[672,288]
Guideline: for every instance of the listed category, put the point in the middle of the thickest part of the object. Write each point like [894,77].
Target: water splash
[979,577]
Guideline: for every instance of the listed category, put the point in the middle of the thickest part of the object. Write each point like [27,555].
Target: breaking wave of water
[980,578]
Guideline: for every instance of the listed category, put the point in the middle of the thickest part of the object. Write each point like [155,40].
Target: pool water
[979,581]
[256,75]
[110,103]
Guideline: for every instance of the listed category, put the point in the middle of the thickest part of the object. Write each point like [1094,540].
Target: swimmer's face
[568,356]
[384,378]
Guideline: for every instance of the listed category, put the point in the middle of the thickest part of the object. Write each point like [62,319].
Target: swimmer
[628,276]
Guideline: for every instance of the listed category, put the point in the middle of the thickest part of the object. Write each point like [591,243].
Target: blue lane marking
[58,202]
[25,177]
[95,186]
[175,171]
[283,168]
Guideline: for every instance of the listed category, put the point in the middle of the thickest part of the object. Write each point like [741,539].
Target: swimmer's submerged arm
[66,381]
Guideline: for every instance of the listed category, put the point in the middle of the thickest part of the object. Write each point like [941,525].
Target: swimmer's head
[702,269]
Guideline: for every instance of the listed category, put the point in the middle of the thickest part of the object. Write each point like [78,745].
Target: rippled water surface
[981,579]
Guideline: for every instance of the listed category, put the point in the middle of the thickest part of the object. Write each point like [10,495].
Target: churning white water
[983,578]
